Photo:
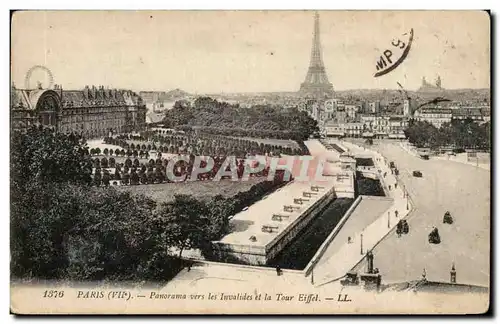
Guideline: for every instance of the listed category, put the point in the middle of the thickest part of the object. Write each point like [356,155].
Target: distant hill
[373,94]
[172,95]
[395,94]
[176,94]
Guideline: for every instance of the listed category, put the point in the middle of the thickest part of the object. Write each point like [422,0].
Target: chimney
[60,92]
[453,274]
[86,92]
[93,92]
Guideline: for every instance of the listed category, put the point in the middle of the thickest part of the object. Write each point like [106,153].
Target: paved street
[462,189]
[338,260]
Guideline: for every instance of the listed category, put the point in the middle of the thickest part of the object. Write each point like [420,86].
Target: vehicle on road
[417,174]
[391,165]
[447,219]
[434,237]
[406,227]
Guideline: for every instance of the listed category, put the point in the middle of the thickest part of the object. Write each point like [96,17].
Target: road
[462,189]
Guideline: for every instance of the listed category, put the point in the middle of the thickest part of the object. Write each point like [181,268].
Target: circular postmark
[388,61]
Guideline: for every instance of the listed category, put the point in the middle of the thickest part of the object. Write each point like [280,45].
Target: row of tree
[203,144]
[264,121]
[459,134]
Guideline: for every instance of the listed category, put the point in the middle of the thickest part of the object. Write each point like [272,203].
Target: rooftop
[269,211]
[435,110]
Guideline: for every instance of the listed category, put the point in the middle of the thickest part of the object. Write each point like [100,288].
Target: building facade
[91,112]
[407,108]
[436,116]
[476,114]
[344,129]
[374,107]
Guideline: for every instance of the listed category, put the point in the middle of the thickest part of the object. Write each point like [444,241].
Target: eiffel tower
[316,83]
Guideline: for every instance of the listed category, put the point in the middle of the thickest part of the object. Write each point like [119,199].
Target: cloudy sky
[246,51]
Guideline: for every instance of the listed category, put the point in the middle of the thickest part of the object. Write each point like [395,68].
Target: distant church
[428,87]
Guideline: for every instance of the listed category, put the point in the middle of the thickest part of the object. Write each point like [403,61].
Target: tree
[117,174]
[220,210]
[185,221]
[97,151]
[106,151]
[104,162]
[106,178]
[159,175]
[97,177]
[143,177]
[151,175]
[112,162]
[43,155]
[126,178]
[134,178]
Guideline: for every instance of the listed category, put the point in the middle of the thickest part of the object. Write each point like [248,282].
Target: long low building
[92,112]
[263,230]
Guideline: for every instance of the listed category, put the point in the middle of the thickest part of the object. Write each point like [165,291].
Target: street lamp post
[361,243]
[388,219]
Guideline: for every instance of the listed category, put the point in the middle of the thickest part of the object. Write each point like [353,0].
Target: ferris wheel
[42,73]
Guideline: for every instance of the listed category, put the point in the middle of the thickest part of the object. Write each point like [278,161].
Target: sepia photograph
[250,162]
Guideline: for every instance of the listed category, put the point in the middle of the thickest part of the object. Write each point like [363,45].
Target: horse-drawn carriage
[434,237]
[447,219]
[402,227]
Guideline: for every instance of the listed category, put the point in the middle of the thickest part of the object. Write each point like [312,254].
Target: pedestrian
[278,271]
[349,240]
[395,186]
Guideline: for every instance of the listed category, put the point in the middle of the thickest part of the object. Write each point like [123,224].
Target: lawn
[200,189]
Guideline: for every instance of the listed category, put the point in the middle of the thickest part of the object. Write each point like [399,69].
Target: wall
[259,255]
[285,237]
[252,254]
[330,237]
